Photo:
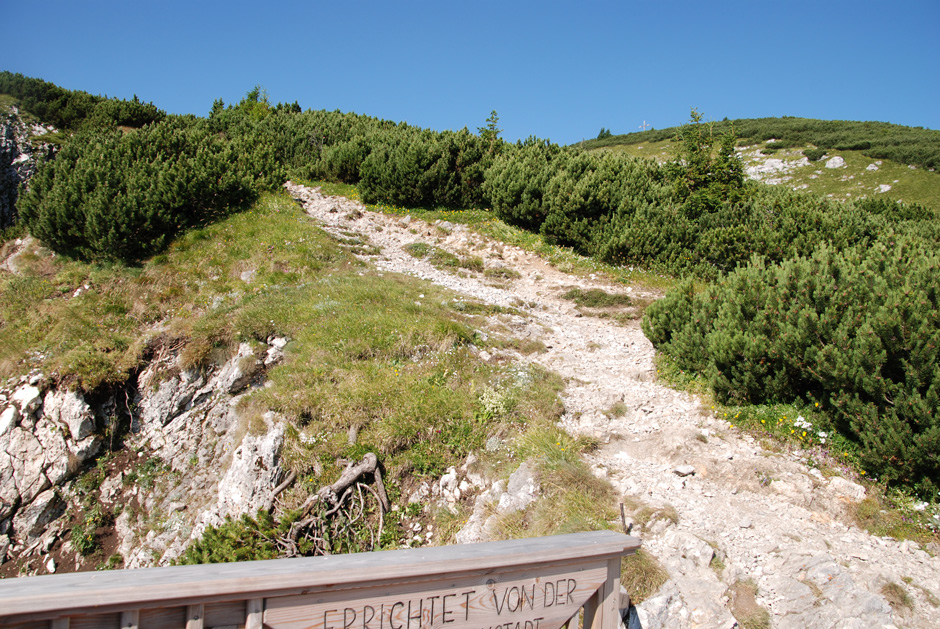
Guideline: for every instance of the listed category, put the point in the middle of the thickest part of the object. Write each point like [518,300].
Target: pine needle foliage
[856,331]
[115,196]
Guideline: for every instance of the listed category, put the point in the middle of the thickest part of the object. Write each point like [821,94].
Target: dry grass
[642,575]
[897,597]
[744,606]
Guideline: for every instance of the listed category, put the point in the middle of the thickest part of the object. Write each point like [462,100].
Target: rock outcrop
[190,459]
[19,159]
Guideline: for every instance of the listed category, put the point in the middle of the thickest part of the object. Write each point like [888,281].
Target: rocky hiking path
[742,513]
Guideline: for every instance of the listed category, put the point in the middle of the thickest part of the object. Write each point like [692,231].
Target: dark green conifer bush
[115,196]
[515,183]
[856,330]
[425,169]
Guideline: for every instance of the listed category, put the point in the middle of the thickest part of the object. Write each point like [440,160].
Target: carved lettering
[511,604]
[325,625]
[444,612]
[431,612]
[417,616]
[466,603]
[530,597]
[391,615]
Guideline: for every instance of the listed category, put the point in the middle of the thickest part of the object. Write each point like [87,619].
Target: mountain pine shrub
[516,181]
[856,330]
[115,196]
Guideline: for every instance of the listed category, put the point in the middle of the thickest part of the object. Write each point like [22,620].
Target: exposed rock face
[198,459]
[19,159]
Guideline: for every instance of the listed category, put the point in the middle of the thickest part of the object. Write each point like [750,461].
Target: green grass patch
[501,273]
[897,596]
[572,499]
[596,298]
[418,249]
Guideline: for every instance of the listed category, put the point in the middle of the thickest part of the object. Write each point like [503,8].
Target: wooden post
[255,611]
[194,616]
[130,619]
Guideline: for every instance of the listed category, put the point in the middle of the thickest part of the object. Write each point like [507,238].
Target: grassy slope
[388,355]
[908,184]
[400,369]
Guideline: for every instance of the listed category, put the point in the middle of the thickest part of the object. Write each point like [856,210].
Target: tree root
[315,524]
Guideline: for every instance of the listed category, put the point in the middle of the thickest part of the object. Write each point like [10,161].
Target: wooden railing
[539,583]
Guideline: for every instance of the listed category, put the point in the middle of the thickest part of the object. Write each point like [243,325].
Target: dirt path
[745,514]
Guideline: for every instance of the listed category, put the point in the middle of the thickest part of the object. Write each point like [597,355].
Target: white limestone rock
[70,409]
[835,162]
[30,522]
[238,372]
[846,489]
[521,491]
[8,419]
[252,474]
[26,462]
[27,398]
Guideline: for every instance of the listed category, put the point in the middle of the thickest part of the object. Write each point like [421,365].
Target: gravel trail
[745,513]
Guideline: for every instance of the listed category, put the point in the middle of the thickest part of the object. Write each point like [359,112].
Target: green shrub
[115,196]
[517,180]
[857,331]
[126,113]
[244,539]
[424,169]
[814,155]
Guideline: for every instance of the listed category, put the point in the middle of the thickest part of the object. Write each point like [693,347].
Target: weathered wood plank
[525,599]
[183,585]
[224,614]
[130,619]
[95,621]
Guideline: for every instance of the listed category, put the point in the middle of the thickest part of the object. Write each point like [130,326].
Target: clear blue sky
[558,70]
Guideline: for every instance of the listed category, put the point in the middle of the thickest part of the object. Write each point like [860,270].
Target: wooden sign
[538,583]
[542,600]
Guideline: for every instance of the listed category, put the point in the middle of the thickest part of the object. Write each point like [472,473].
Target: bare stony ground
[745,513]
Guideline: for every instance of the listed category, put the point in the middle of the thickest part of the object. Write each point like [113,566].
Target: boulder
[30,522]
[835,162]
[253,473]
[8,419]
[58,463]
[238,372]
[172,397]
[26,462]
[70,409]
[27,398]
[846,489]
[521,491]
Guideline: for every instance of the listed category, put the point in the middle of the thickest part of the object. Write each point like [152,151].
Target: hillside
[720,508]
[877,159]
[470,339]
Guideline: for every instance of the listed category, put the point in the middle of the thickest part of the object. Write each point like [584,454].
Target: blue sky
[558,70]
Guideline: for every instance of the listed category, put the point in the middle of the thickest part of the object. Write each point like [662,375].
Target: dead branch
[269,503]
